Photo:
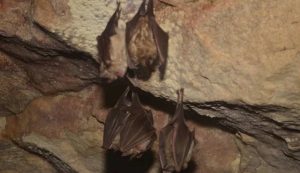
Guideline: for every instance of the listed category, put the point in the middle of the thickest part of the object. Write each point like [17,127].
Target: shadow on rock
[116,163]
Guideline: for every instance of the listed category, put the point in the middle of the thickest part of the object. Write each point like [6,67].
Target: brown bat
[146,43]
[176,141]
[111,48]
[129,127]
[138,133]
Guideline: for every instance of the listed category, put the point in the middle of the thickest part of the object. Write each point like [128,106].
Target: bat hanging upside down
[176,141]
[129,127]
[112,49]
[146,43]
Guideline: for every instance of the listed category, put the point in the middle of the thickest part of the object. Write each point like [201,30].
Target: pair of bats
[146,45]
[129,128]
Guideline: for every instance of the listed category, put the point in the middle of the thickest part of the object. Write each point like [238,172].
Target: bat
[146,43]
[129,127]
[176,141]
[138,133]
[111,48]
[115,121]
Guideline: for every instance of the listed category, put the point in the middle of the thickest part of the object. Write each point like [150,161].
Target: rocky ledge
[238,62]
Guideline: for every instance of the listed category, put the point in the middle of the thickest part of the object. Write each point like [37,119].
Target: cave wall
[237,60]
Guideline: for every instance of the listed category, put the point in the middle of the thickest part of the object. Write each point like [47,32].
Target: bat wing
[138,133]
[115,121]
[137,130]
[113,125]
[154,43]
[183,138]
[165,148]
[161,39]
[176,141]
[183,143]
[131,29]
[104,39]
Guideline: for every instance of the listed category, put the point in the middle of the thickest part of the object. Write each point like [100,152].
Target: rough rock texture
[70,125]
[15,160]
[237,60]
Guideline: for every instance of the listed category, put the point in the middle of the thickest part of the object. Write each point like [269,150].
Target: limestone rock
[70,125]
[237,60]
[15,160]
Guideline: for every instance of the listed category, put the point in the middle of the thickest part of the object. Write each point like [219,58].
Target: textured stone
[15,160]
[246,48]
[70,125]
[232,51]
[2,126]
[64,125]
[14,88]
[237,60]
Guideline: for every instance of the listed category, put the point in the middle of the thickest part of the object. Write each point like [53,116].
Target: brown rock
[14,88]
[15,160]
[238,62]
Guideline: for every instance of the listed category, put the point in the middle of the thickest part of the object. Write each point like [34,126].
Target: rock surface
[237,60]
[70,126]
[15,160]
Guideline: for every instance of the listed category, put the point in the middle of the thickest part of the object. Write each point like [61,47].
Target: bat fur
[111,49]
[146,43]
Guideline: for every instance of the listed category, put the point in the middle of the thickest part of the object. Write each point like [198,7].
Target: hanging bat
[176,141]
[138,133]
[115,121]
[111,49]
[128,126]
[146,43]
